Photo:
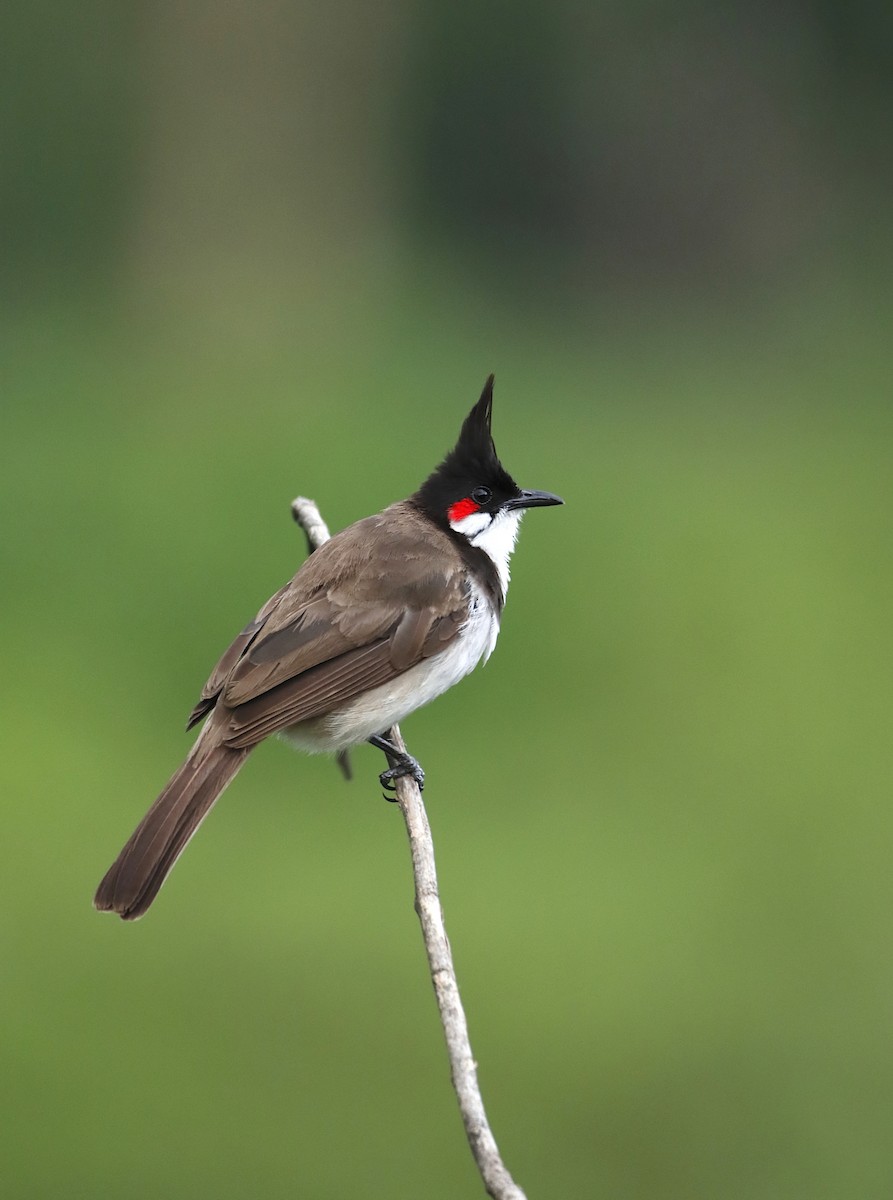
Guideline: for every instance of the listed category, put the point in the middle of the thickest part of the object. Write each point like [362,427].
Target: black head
[471,479]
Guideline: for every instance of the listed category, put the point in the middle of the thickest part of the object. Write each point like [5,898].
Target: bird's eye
[481,495]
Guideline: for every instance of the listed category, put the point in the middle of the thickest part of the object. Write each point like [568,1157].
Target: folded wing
[329,636]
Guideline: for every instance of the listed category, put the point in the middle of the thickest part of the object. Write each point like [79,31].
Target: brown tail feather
[133,880]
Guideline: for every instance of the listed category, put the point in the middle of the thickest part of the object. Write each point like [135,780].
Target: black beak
[532,499]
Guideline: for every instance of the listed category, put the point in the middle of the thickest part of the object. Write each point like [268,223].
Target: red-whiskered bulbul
[382,618]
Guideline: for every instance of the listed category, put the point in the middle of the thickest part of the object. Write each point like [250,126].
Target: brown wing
[329,634]
[312,636]
[324,687]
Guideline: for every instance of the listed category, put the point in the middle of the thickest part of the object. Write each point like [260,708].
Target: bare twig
[308,516]
[463,1069]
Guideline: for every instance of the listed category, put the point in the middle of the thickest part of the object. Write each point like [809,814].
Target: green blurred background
[248,251]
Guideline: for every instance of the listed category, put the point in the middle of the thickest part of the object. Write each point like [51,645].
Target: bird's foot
[405,764]
[399,765]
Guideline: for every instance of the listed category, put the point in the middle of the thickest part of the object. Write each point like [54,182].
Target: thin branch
[308,516]
[463,1069]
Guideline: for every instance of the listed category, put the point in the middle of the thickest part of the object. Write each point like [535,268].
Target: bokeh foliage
[662,811]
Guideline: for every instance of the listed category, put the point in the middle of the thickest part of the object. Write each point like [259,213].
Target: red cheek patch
[462,508]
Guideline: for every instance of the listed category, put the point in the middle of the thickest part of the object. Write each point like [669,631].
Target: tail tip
[106,900]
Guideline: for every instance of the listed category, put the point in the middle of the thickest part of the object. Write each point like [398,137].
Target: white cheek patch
[472,525]
[498,540]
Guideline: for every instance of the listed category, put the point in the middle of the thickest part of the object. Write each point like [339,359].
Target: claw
[406,765]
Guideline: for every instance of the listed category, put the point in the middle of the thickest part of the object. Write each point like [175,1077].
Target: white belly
[377,710]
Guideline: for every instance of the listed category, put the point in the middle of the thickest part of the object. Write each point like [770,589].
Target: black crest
[475,448]
[472,461]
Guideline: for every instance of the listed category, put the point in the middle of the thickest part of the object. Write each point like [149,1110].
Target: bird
[379,620]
